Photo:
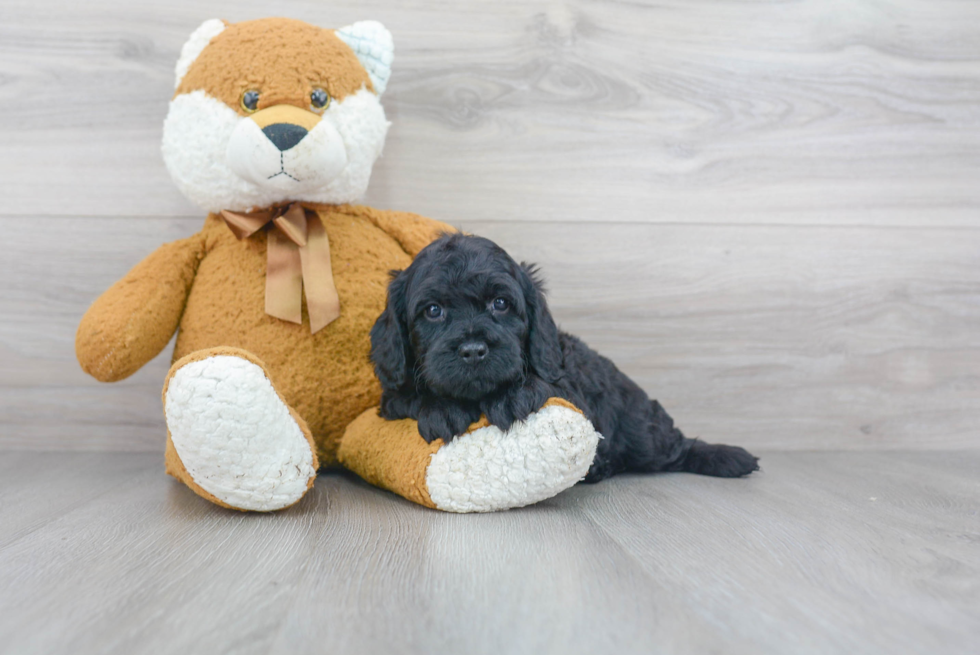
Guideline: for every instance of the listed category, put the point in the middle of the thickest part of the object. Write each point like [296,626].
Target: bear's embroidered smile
[287,148]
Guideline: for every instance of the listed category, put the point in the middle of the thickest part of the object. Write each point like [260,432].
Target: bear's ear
[372,44]
[195,45]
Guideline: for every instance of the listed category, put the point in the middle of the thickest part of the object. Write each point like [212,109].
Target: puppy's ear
[391,350]
[543,349]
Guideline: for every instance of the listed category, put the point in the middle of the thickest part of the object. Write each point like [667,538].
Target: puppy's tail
[694,456]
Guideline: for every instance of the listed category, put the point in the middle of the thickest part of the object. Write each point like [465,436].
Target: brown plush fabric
[286,114]
[291,59]
[175,467]
[389,454]
[411,231]
[392,455]
[133,320]
[326,377]
[214,286]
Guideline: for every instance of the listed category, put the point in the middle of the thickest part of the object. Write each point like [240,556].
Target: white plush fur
[235,436]
[488,470]
[197,141]
[373,45]
[309,165]
[195,45]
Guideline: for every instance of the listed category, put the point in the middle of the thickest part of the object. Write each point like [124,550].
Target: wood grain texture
[50,278]
[819,553]
[39,489]
[769,211]
[843,112]
[765,336]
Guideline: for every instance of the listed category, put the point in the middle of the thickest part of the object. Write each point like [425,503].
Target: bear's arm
[412,231]
[133,320]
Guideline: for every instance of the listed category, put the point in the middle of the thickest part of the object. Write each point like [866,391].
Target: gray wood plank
[50,280]
[539,580]
[568,110]
[39,489]
[819,553]
[157,552]
[768,336]
[894,534]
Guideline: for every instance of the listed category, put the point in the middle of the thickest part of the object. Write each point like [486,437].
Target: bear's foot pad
[488,470]
[236,438]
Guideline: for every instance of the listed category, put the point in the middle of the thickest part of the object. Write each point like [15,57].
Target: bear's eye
[250,100]
[319,99]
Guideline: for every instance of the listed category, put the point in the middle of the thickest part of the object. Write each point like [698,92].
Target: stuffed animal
[273,130]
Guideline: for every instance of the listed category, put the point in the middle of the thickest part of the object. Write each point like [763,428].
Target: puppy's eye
[319,99]
[250,100]
[500,305]
[433,312]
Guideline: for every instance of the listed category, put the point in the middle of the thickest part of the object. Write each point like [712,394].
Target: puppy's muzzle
[473,352]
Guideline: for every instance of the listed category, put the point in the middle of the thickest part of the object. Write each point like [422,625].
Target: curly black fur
[467,331]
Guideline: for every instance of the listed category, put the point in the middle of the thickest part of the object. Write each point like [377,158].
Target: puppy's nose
[473,351]
[285,135]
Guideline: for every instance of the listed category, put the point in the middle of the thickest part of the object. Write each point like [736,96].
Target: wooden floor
[819,553]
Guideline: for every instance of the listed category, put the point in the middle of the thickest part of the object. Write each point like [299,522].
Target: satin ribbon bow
[298,257]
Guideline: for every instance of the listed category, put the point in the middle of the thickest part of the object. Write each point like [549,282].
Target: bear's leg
[483,470]
[231,437]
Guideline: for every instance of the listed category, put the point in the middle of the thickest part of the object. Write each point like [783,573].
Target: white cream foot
[236,438]
[487,470]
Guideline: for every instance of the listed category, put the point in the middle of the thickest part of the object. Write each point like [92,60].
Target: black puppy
[467,332]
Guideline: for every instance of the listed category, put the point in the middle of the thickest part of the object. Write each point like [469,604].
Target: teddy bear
[273,130]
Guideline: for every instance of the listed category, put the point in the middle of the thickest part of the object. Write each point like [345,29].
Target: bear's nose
[473,351]
[284,135]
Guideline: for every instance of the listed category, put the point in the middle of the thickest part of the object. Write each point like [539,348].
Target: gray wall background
[767,213]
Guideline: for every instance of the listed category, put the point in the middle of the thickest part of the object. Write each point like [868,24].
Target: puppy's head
[463,321]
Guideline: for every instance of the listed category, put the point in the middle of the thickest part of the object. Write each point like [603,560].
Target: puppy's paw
[501,412]
[398,405]
[442,419]
[517,402]
[433,425]
[720,460]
